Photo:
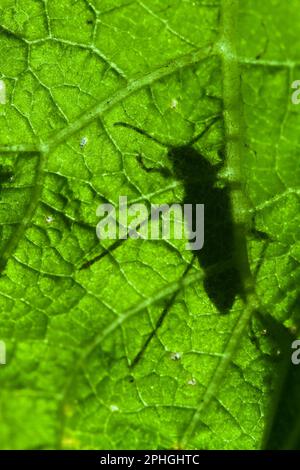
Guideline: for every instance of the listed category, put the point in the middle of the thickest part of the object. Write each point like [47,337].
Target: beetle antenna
[154,139]
[140,131]
[205,130]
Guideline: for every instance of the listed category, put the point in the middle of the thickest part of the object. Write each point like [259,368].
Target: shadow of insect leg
[262,236]
[165,172]
[161,318]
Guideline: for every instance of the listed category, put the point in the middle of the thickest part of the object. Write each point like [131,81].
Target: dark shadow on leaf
[199,178]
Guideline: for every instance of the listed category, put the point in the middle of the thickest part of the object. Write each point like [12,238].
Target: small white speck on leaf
[83,142]
[175,356]
[114,408]
[192,382]
[49,219]
[174,103]
[2,92]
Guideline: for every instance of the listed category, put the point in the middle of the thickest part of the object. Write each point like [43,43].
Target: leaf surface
[76,313]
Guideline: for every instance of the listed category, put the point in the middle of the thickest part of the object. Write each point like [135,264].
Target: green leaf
[125,344]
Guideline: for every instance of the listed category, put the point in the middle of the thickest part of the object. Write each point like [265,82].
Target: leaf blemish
[175,356]
[2,92]
[83,142]
[192,382]
[174,103]
[114,408]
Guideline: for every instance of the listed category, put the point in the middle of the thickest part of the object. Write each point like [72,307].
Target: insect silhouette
[201,186]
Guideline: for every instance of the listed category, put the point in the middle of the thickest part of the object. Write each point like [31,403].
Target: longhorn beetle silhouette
[222,280]
[200,178]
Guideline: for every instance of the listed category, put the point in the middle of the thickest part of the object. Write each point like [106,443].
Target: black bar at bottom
[137,459]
